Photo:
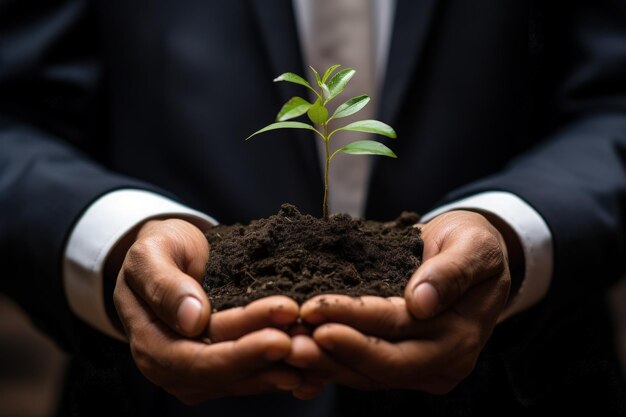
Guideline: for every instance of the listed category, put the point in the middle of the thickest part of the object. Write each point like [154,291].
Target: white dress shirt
[109,218]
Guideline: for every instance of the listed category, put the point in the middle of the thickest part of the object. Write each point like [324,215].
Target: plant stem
[325,204]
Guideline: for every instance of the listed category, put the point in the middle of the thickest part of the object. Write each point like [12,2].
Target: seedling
[318,115]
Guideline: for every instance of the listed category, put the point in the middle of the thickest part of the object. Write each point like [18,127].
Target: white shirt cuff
[534,235]
[102,225]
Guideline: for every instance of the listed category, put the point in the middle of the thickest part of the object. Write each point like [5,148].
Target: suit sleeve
[576,177]
[49,94]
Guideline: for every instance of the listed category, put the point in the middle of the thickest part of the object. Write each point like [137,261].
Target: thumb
[442,279]
[163,267]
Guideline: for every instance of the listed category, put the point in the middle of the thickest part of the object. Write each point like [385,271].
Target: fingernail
[427,298]
[188,314]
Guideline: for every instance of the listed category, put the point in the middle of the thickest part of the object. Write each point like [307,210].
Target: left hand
[168,336]
[430,339]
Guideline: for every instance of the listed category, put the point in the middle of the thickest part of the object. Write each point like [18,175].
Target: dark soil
[301,256]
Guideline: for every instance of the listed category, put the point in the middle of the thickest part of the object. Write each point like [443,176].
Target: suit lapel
[279,37]
[412,24]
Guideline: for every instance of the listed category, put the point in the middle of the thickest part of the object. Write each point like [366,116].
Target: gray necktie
[341,33]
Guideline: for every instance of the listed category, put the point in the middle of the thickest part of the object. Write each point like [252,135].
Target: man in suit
[129,117]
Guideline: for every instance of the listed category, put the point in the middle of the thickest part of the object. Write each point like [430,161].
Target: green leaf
[366,147]
[328,72]
[325,90]
[285,125]
[294,78]
[321,83]
[317,76]
[339,82]
[369,126]
[318,113]
[351,106]
[296,106]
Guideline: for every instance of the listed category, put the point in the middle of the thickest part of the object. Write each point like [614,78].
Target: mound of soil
[301,256]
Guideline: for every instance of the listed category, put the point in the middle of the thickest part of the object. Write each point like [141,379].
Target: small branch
[334,153]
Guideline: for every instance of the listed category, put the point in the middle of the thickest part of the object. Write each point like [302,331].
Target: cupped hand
[176,342]
[430,339]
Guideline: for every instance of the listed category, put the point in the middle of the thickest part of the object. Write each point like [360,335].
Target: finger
[235,358]
[275,311]
[484,302]
[390,365]
[195,371]
[179,240]
[132,311]
[153,273]
[165,359]
[320,368]
[464,260]
[387,318]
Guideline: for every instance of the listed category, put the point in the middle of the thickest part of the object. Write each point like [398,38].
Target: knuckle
[495,258]
[485,237]
[136,263]
[139,251]
[148,246]
[492,253]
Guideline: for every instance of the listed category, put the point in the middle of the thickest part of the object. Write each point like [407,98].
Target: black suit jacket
[521,96]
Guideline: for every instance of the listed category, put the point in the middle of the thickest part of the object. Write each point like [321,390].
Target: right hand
[429,340]
[174,340]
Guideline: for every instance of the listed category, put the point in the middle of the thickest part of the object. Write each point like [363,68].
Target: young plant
[318,114]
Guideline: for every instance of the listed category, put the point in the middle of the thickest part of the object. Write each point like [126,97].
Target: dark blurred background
[32,367]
